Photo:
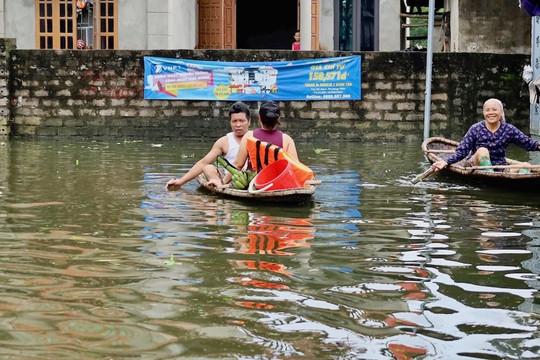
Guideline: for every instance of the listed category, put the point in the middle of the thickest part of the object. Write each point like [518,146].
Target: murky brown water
[97,260]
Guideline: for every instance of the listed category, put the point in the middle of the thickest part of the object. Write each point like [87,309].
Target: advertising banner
[315,79]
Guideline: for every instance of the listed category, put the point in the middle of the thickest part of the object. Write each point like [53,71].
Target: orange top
[261,154]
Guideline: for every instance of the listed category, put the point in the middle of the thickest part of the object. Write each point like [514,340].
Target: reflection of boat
[276,237]
[437,148]
[289,196]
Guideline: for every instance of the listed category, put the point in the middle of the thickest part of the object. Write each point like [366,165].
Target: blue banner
[316,79]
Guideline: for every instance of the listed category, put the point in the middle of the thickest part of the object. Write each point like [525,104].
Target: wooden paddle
[441,151]
[423,175]
[517,166]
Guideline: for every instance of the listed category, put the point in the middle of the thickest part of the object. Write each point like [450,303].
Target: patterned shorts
[222,172]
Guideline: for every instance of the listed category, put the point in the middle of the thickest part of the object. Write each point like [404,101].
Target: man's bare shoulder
[222,140]
[222,144]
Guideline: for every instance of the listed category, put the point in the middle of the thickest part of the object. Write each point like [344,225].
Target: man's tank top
[233,147]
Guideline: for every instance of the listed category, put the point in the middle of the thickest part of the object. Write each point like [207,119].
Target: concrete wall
[132,29]
[6,93]
[326,25]
[159,18]
[389,25]
[100,94]
[184,25]
[20,22]
[2,20]
[487,26]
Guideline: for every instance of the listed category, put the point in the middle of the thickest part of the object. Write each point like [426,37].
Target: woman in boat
[485,142]
[269,116]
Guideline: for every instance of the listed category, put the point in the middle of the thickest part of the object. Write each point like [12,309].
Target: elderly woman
[486,141]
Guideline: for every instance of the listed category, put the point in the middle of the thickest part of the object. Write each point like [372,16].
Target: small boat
[288,196]
[438,148]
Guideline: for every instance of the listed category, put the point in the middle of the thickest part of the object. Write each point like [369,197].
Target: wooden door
[314,24]
[229,24]
[217,24]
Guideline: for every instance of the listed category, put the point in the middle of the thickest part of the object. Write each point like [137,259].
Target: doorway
[271,27]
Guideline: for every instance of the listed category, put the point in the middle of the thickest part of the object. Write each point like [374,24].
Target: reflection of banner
[315,79]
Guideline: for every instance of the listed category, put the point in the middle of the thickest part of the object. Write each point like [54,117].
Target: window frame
[354,39]
[57,27]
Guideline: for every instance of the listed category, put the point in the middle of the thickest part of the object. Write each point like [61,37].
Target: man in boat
[226,146]
[487,141]
[269,116]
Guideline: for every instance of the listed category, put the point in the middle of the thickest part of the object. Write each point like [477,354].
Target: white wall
[389,25]
[452,6]
[157,23]
[2,21]
[326,25]
[184,25]
[132,19]
[20,23]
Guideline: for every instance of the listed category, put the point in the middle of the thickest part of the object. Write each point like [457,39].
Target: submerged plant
[171,261]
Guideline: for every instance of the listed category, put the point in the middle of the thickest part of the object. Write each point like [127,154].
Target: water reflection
[487,231]
[267,235]
[99,261]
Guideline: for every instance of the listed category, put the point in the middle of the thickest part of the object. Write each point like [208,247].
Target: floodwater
[99,261]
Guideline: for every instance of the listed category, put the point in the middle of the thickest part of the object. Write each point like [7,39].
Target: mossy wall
[64,93]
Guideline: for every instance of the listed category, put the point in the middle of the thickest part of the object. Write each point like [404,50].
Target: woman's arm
[464,148]
[522,140]
[290,147]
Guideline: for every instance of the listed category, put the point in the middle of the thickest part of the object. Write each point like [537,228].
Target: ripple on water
[114,338]
[374,269]
[497,268]
[500,234]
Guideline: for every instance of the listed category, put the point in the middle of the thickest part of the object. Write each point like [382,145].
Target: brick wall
[6,45]
[62,93]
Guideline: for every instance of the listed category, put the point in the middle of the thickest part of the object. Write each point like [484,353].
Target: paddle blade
[423,175]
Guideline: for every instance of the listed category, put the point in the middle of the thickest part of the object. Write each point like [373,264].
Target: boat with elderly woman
[438,148]
[481,154]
